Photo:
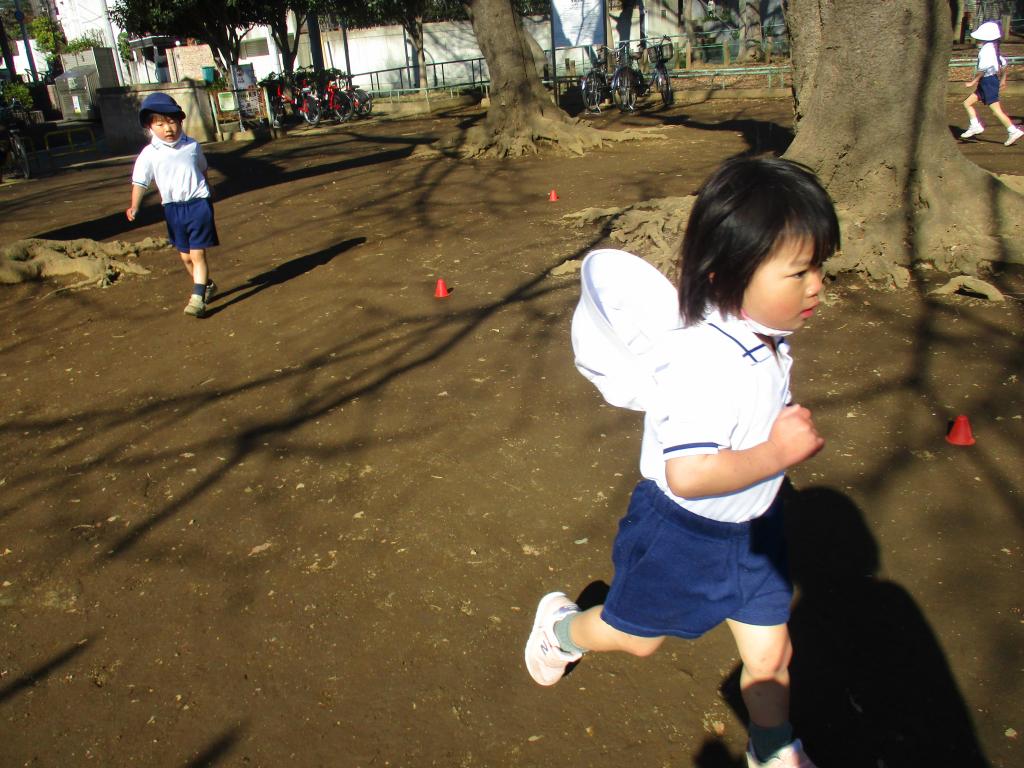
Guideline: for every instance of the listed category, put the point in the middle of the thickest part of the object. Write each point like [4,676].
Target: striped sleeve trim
[700,447]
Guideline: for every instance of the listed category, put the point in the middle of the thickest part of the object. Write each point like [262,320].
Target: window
[253,48]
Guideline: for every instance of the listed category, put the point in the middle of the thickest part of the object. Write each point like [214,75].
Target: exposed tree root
[100,264]
[652,229]
[561,135]
[970,285]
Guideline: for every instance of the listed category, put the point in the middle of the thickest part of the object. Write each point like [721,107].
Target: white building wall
[22,68]
[77,17]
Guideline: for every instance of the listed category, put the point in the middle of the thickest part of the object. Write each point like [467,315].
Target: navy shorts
[190,225]
[988,89]
[677,573]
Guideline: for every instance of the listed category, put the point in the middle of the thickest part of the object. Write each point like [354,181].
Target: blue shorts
[988,89]
[190,225]
[677,573]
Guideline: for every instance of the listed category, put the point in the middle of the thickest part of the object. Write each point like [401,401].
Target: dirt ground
[311,529]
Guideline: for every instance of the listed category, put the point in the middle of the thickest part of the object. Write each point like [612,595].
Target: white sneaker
[1014,134]
[196,307]
[545,660]
[972,130]
[788,757]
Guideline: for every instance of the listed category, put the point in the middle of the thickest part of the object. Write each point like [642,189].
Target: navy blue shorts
[677,573]
[190,225]
[988,89]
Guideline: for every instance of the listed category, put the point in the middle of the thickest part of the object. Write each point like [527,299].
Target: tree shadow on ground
[282,273]
[243,171]
[870,683]
[217,750]
[41,672]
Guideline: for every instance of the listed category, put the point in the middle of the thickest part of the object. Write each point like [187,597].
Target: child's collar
[158,142]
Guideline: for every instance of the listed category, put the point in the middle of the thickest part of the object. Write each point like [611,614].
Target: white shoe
[788,757]
[196,307]
[1014,134]
[545,660]
[972,130]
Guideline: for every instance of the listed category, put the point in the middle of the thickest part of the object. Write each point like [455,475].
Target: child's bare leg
[764,680]
[1001,116]
[969,103]
[186,259]
[590,632]
[197,256]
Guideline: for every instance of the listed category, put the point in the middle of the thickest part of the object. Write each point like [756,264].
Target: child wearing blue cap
[175,162]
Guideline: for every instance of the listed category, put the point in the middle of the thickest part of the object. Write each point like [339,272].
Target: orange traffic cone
[553,196]
[441,291]
[960,433]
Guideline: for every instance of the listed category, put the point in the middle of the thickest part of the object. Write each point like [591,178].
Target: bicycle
[310,106]
[14,159]
[362,101]
[594,84]
[657,56]
[627,80]
[336,100]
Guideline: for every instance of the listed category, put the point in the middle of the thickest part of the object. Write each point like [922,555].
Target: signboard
[578,22]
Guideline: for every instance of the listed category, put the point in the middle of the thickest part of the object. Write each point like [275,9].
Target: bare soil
[311,529]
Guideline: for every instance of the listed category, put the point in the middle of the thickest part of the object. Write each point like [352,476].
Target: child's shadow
[870,684]
[281,274]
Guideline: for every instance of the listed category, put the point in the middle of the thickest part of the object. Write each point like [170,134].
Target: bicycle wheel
[341,105]
[311,109]
[19,157]
[665,87]
[591,87]
[626,93]
[364,102]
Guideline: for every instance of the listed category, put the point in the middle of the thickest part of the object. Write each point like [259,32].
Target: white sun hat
[987,32]
[626,307]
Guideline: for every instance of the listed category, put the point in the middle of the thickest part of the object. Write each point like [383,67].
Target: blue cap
[160,103]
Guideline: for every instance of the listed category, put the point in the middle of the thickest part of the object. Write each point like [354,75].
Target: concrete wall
[119,111]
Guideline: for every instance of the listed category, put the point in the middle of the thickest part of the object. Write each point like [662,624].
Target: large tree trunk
[870,83]
[414,30]
[522,113]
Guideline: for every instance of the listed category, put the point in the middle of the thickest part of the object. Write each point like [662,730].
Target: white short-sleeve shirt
[177,169]
[723,390]
[989,62]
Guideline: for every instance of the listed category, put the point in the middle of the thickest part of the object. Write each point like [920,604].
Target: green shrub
[17,90]
[91,39]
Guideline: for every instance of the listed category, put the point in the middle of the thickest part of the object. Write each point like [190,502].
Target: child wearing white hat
[991,75]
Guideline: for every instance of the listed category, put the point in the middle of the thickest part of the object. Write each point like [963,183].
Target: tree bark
[870,86]
[522,114]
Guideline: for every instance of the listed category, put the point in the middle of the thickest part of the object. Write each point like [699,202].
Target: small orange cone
[960,433]
[553,196]
[441,291]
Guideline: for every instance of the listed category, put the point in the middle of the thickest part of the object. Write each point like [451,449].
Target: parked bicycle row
[313,96]
[627,82]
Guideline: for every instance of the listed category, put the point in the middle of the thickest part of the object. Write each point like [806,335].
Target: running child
[702,540]
[177,164]
[991,76]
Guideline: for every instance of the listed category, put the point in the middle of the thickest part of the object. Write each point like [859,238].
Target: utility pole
[316,46]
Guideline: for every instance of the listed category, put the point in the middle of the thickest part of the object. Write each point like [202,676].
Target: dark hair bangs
[742,213]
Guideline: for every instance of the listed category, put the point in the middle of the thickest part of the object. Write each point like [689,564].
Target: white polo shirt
[989,62]
[177,169]
[723,389]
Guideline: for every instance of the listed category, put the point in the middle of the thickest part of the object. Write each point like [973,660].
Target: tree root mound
[100,264]
[539,133]
[652,229]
